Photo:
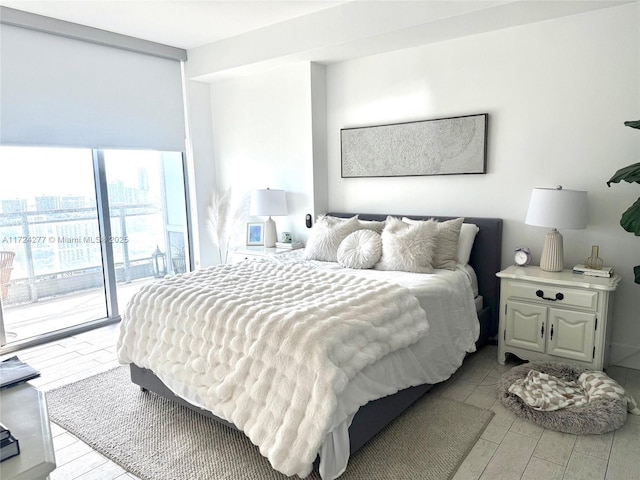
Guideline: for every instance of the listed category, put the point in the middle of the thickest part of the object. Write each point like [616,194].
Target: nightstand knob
[559,296]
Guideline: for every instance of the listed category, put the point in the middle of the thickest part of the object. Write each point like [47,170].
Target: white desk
[23,410]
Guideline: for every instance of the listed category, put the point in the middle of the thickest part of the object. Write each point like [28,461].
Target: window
[83,227]
[87,229]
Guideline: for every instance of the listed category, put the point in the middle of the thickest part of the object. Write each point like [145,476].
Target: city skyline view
[68,172]
[48,200]
[49,224]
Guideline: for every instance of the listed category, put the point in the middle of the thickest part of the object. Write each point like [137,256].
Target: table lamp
[268,202]
[556,208]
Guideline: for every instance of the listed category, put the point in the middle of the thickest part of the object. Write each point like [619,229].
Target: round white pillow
[360,249]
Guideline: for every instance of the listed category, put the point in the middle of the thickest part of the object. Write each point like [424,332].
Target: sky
[26,172]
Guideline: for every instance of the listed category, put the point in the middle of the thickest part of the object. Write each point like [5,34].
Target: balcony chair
[6,265]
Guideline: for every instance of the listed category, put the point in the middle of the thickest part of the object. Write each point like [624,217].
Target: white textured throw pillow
[326,236]
[375,225]
[446,251]
[360,249]
[466,237]
[372,225]
[407,248]
[468,234]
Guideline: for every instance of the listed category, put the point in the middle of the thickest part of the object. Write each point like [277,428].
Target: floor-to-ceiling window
[73,253]
[92,184]
[146,193]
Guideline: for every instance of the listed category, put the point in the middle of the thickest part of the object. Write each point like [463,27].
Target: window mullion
[104,225]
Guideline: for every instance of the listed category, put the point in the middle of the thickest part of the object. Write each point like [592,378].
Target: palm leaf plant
[630,219]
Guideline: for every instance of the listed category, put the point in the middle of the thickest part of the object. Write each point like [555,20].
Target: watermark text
[62,239]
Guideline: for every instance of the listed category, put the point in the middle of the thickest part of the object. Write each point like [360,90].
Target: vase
[594,261]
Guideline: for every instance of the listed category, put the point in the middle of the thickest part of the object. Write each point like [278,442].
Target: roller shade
[59,91]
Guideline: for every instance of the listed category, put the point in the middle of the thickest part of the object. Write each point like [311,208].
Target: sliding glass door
[148,217]
[48,220]
[80,231]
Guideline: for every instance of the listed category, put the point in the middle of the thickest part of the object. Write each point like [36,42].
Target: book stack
[9,446]
[14,371]
[289,245]
[603,272]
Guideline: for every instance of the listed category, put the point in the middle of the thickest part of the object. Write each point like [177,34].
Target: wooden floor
[509,449]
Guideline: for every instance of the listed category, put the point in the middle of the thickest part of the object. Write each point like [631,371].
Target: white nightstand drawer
[555,294]
[256,253]
[241,257]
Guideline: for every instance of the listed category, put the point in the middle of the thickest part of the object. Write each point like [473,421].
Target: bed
[348,428]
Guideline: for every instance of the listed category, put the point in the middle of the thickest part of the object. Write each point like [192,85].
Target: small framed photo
[255,233]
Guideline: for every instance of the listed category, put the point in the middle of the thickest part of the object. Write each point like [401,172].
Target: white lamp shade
[558,208]
[268,202]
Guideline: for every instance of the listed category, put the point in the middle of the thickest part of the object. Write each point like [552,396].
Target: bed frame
[374,416]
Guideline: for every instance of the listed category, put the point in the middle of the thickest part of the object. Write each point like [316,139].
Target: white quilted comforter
[269,347]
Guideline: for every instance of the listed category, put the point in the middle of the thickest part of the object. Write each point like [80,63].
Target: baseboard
[624,355]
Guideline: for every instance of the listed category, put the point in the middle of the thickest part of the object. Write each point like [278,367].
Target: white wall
[200,169]
[262,130]
[557,93]
[319,128]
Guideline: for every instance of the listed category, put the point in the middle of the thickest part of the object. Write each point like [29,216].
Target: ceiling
[195,23]
[230,37]
[182,24]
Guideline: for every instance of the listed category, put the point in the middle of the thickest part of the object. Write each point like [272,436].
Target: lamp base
[552,259]
[270,233]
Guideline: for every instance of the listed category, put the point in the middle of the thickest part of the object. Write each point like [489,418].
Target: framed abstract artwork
[445,146]
[255,233]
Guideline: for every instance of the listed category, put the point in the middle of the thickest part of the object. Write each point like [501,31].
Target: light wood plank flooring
[509,449]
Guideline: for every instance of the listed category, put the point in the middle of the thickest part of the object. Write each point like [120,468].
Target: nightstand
[555,316]
[241,254]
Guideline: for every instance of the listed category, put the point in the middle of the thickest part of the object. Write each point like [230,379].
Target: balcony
[26,320]
[57,278]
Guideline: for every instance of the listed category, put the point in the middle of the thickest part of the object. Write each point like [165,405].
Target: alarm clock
[523,256]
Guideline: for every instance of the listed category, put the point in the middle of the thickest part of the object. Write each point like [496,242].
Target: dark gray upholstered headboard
[486,258]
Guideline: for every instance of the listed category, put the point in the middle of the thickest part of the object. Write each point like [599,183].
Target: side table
[555,316]
[23,410]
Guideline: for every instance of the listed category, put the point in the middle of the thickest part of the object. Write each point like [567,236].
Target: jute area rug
[156,439]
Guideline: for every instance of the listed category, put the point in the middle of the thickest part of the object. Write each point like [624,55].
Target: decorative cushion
[468,233]
[407,248]
[601,414]
[326,236]
[360,249]
[374,225]
[446,251]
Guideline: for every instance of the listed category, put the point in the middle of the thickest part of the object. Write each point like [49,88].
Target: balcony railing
[25,290]
[45,242]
